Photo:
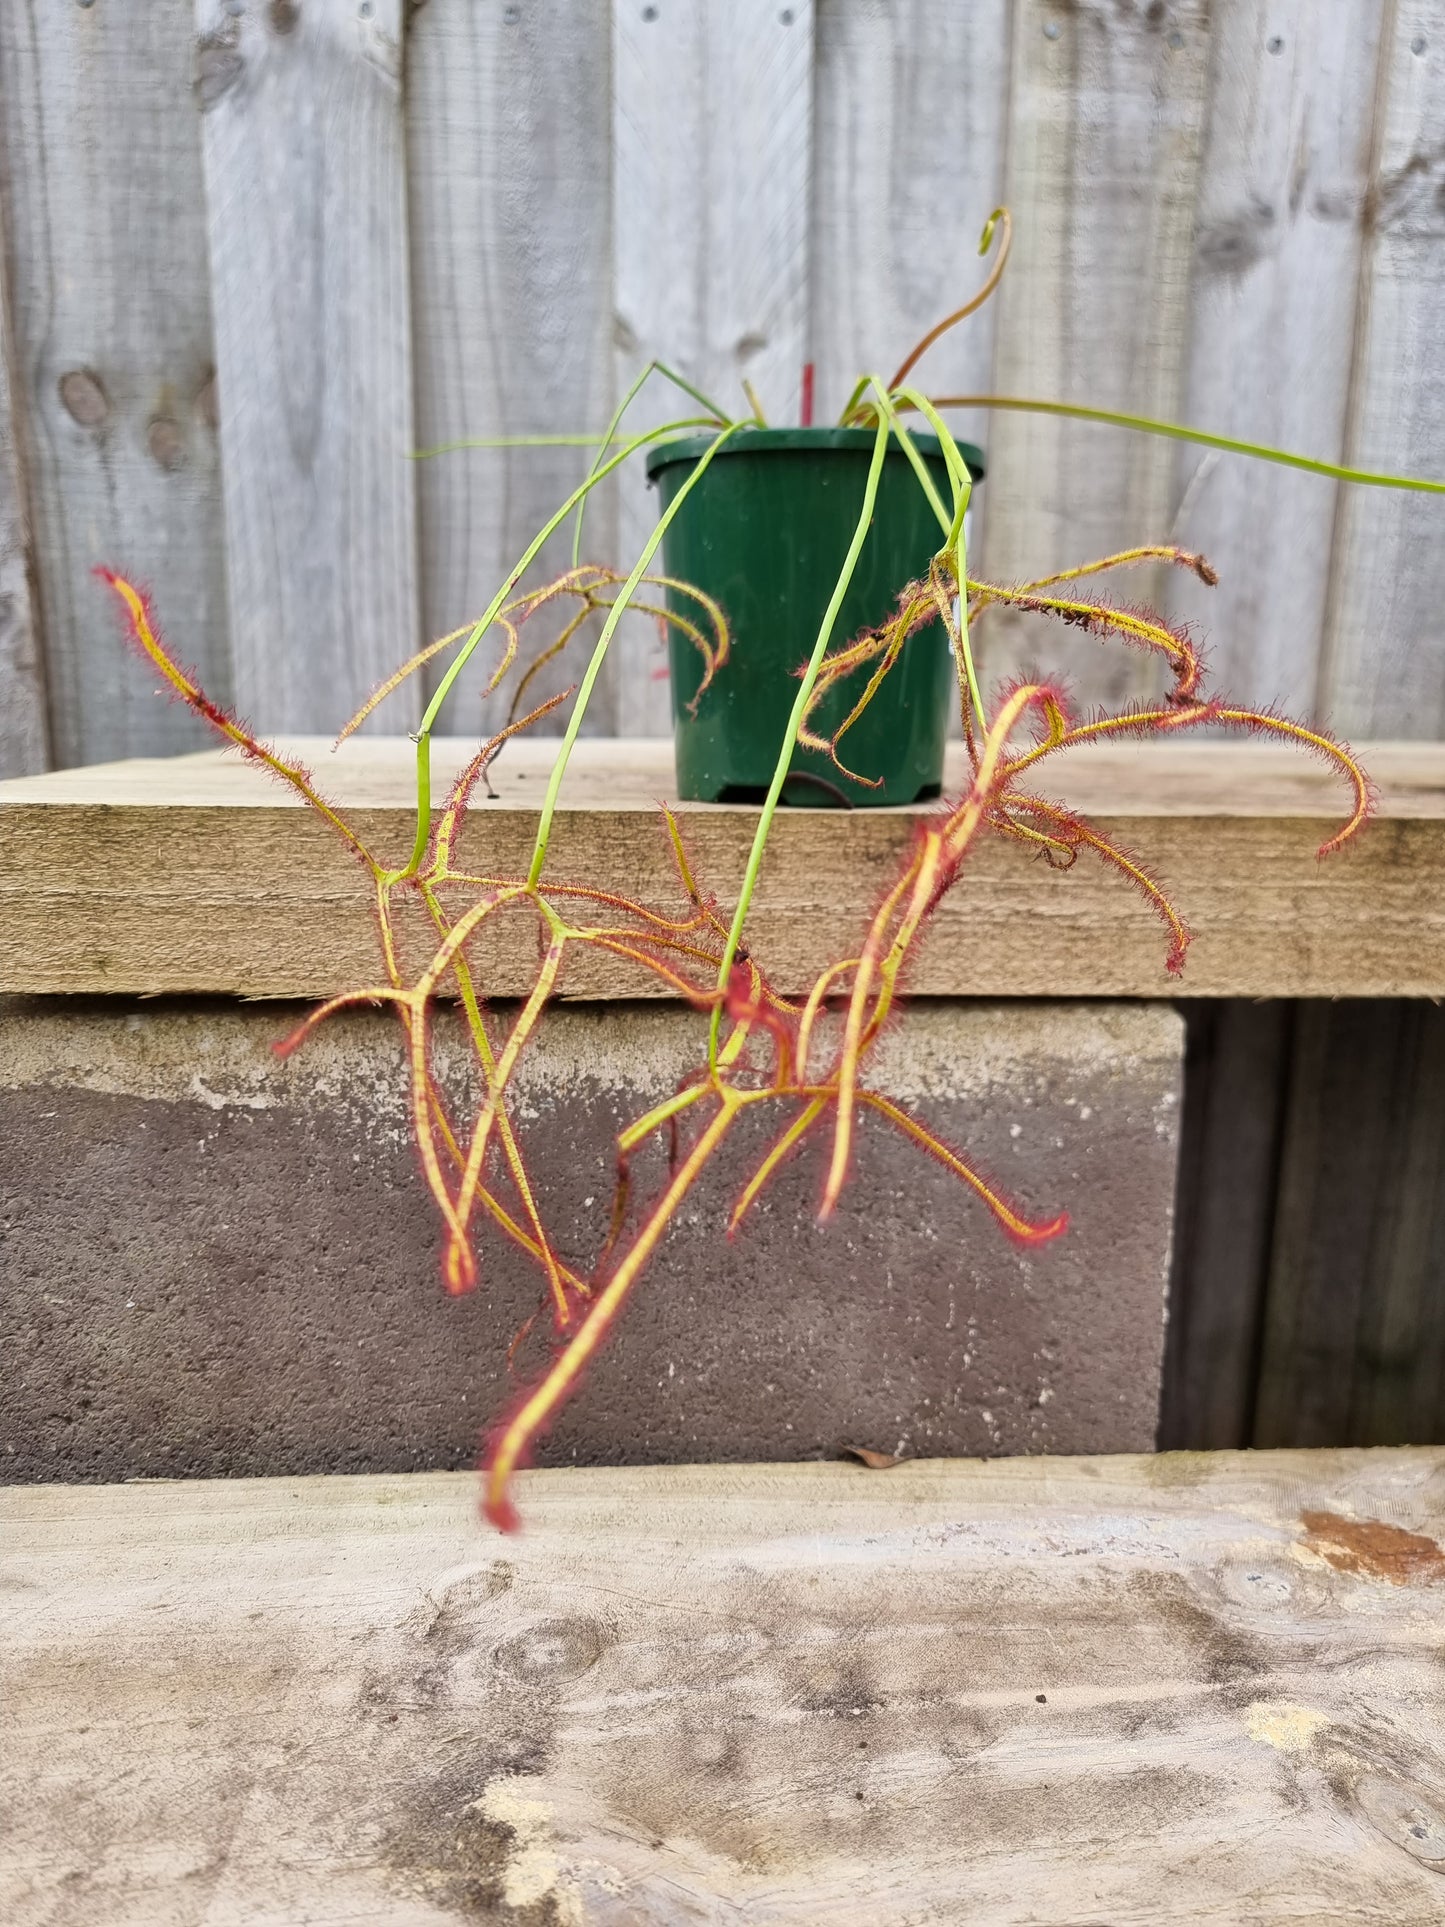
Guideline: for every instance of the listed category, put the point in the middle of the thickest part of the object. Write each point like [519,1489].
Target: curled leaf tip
[498,1510]
[1024,1233]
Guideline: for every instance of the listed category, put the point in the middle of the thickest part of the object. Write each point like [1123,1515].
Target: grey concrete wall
[212,1263]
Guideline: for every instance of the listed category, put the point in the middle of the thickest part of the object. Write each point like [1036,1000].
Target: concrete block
[217,1264]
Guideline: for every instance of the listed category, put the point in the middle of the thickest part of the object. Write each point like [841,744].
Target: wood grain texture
[1106,117]
[509,143]
[111,357]
[712,146]
[306,218]
[24,728]
[1276,265]
[1185,1688]
[201,874]
[1236,1075]
[1354,1334]
[1400,1363]
[1383,666]
[910,103]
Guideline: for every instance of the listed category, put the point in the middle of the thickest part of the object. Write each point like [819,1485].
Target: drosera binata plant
[757,1048]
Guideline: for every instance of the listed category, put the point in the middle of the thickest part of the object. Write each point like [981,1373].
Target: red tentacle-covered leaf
[1136,625]
[1318,742]
[459,799]
[1022,1230]
[144,635]
[1079,833]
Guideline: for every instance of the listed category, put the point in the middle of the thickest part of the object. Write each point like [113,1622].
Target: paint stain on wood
[1373,1549]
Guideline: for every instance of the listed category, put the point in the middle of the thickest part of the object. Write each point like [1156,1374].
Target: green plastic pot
[765,531]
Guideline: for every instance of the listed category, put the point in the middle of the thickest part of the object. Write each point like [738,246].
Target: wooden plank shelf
[201,874]
[1188,1687]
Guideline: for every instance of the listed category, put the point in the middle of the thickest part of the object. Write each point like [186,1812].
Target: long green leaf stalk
[800,705]
[955,547]
[599,653]
[1179,432]
[668,374]
[485,621]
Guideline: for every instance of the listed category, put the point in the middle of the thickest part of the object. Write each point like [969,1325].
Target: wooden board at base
[199,874]
[1187,1688]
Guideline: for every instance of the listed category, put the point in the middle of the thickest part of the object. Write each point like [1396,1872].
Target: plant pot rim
[757,441]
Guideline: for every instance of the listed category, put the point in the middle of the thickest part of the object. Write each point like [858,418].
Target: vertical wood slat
[1399,1379]
[1383,668]
[1236,1070]
[509,141]
[24,735]
[1106,114]
[1276,264]
[306,204]
[111,358]
[1354,1344]
[910,103]
[712,146]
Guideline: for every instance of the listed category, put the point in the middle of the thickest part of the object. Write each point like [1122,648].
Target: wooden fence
[257,251]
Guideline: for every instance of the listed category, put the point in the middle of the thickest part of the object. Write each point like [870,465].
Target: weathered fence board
[112,357]
[910,101]
[1193,189]
[24,735]
[1236,1071]
[1354,1335]
[1105,125]
[306,204]
[711,156]
[1384,660]
[1272,324]
[1400,1363]
[509,141]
